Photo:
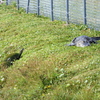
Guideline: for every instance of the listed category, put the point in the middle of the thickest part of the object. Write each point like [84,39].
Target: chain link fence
[72,11]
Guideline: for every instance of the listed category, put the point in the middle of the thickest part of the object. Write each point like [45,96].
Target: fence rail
[72,11]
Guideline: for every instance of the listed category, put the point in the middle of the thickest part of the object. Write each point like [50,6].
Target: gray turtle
[83,41]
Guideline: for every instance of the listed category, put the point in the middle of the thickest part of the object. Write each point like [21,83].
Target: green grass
[48,70]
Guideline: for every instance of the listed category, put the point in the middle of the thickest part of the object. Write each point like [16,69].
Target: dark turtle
[12,57]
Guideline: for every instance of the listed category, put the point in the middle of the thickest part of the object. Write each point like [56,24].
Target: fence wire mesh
[23,4]
[93,14]
[59,10]
[45,8]
[33,6]
[74,12]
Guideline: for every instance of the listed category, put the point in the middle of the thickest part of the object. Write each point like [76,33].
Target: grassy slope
[48,70]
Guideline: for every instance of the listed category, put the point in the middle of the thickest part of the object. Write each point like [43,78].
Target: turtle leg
[71,44]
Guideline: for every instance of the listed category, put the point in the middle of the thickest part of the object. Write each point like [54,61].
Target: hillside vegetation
[47,70]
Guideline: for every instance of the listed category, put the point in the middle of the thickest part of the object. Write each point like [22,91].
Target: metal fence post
[52,17]
[85,19]
[18,4]
[6,2]
[67,10]
[27,10]
[38,7]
